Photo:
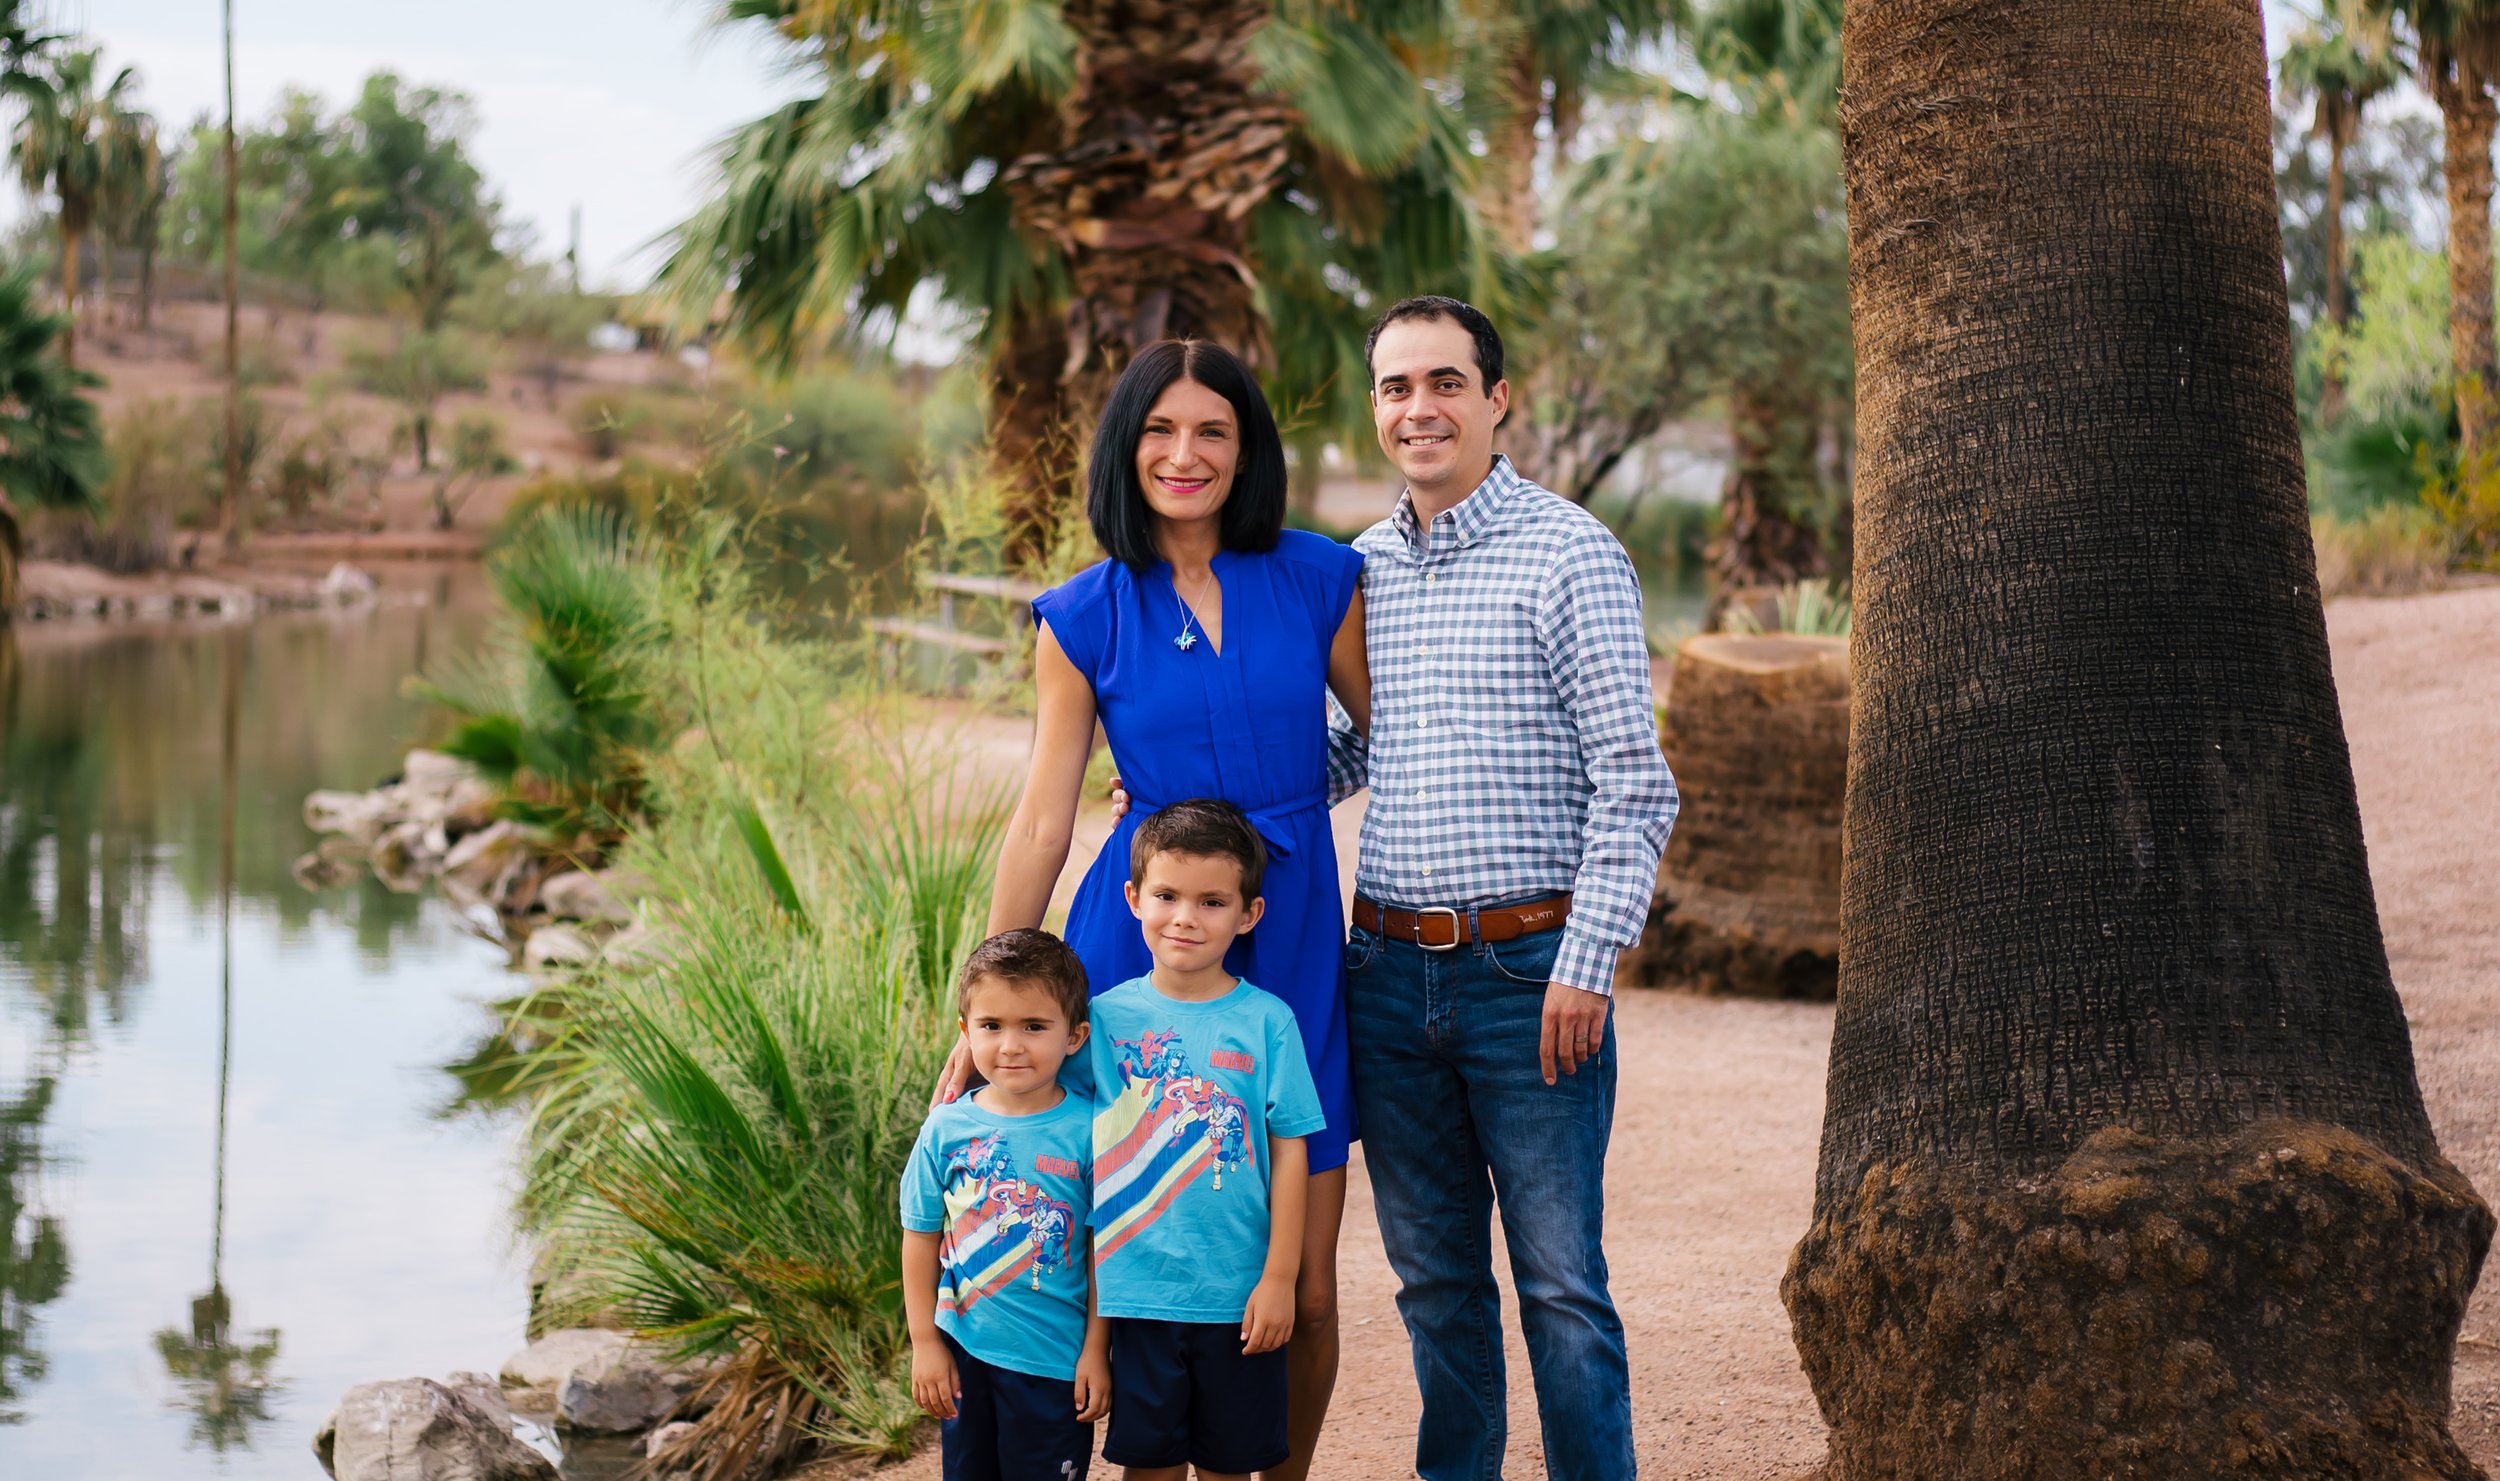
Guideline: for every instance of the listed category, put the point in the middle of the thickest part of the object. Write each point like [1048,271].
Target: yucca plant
[562,711]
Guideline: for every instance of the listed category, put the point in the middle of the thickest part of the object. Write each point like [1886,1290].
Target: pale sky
[610,105]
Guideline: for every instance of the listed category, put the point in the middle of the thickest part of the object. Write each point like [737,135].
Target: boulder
[532,1375]
[414,1429]
[471,805]
[471,866]
[482,1390]
[359,815]
[404,857]
[621,1390]
[582,895]
[558,946]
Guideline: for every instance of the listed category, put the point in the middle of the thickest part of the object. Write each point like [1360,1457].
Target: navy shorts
[1183,1393]
[1012,1426]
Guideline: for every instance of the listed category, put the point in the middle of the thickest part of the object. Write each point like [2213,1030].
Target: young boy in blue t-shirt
[1202,1099]
[997,1199]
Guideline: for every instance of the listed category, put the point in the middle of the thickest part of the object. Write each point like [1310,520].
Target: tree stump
[1748,900]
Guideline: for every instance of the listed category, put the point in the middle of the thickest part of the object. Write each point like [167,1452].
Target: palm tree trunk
[147,281]
[1170,146]
[104,276]
[69,292]
[2338,305]
[2468,114]
[1767,530]
[1031,440]
[1506,193]
[2125,1170]
[12,550]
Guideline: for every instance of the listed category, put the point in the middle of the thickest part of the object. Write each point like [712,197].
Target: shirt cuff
[1584,962]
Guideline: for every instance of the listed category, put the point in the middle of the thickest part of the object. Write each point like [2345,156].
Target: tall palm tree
[2456,45]
[1526,64]
[61,147]
[51,441]
[2125,1169]
[2341,61]
[1089,177]
[130,179]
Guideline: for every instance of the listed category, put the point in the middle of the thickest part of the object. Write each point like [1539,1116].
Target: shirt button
[1419,722]
[1429,579]
[1427,874]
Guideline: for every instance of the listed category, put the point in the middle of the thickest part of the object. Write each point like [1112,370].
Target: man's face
[1429,405]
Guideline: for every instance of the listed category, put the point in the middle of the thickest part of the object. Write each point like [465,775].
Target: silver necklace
[1189,614]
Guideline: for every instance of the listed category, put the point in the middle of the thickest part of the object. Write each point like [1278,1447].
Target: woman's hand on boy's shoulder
[935,1387]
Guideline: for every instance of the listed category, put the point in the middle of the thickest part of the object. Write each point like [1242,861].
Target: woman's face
[1188,454]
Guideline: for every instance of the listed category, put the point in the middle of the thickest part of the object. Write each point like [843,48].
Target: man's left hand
[1575,1028]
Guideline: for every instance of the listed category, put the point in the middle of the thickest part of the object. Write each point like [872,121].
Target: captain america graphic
[999,1225]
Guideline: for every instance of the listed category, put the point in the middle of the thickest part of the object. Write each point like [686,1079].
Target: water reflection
[215,1085]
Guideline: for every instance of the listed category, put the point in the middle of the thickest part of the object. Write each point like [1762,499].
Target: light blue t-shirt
[1011,1198]
[1187,1096]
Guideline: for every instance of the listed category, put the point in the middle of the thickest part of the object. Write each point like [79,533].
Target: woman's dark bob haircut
[1115,503]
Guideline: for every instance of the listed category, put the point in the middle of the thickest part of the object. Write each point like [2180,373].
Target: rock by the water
[482,1390]
[665,1436]
[582,895]
[531,1376]
[472,865]
[432,772]
[621,1391]
[558,946]
[359,815]
[414,1429]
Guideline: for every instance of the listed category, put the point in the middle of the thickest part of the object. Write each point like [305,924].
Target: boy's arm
[1268,1321]
[934,1384]
[1093,1365]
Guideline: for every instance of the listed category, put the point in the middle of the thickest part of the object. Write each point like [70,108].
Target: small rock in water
[532,1375]
[346,585]
[621,1391]
[665,1436]
[414,1429]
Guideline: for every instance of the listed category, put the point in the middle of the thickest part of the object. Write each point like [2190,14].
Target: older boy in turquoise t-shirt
[1202,1099]
[996,1207]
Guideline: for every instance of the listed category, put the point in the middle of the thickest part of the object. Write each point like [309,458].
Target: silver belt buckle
[1452,912]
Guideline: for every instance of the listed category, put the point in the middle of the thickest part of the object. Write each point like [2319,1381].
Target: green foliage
[715,1160]
[561,711]
[1813,607]
[1708,260]
[418,370]
[51,441]
[2397,432]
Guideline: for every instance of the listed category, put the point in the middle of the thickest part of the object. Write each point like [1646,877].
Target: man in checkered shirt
[1519,803]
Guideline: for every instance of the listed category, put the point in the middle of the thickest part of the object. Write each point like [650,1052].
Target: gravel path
[1712,1171]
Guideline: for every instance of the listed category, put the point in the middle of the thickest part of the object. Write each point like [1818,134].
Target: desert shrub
[417,370]
[259,361]
[2392,549]
[609,420]
[1813,607]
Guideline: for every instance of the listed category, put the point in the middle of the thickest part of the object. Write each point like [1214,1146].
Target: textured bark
[2468,114]
[1170,147]
[1748,900]
[1767,529]
[2108,936]
[1031,438]
[1506,191]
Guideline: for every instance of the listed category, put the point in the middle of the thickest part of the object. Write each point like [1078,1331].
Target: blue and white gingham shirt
[1514,748]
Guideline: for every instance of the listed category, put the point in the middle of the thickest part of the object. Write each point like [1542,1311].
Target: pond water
[227,1191]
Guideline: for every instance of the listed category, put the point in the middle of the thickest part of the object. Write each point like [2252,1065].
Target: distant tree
[304,159]
[414,183]
[2391,183]
[2340,61]
[2456,51]
[51,440]
[61,147]
[130,184]
[417,370]
[1528,66]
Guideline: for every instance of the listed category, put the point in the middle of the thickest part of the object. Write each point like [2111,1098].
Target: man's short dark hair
[1201,828]
[1027,958]
[1439,306]
[1115,503]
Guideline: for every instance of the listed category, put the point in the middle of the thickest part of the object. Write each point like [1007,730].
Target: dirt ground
[1712,1172]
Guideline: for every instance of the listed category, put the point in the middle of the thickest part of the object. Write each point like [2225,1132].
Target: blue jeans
[1455,1113]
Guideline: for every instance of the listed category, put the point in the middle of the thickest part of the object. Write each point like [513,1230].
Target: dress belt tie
[1268,822]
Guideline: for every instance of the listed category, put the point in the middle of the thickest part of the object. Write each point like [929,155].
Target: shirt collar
[1469,518]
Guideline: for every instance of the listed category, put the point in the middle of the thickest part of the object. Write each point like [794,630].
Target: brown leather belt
[1446,927]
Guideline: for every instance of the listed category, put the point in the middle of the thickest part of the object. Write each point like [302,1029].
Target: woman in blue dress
[1207,646]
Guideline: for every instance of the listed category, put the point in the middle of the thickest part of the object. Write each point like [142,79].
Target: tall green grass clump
[716,1160]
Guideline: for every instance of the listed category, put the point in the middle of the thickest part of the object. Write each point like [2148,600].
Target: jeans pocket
[1526,959]
[1360,947]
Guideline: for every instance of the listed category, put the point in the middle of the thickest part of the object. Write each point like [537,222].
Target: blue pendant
[1185,642]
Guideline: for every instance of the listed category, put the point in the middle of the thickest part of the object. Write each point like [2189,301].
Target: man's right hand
[956,1075]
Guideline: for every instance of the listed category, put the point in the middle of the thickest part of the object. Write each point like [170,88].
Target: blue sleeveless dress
[1248,725]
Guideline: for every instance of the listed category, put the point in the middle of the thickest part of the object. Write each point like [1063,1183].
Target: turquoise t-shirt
[1011,1197]
[1188,1095]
